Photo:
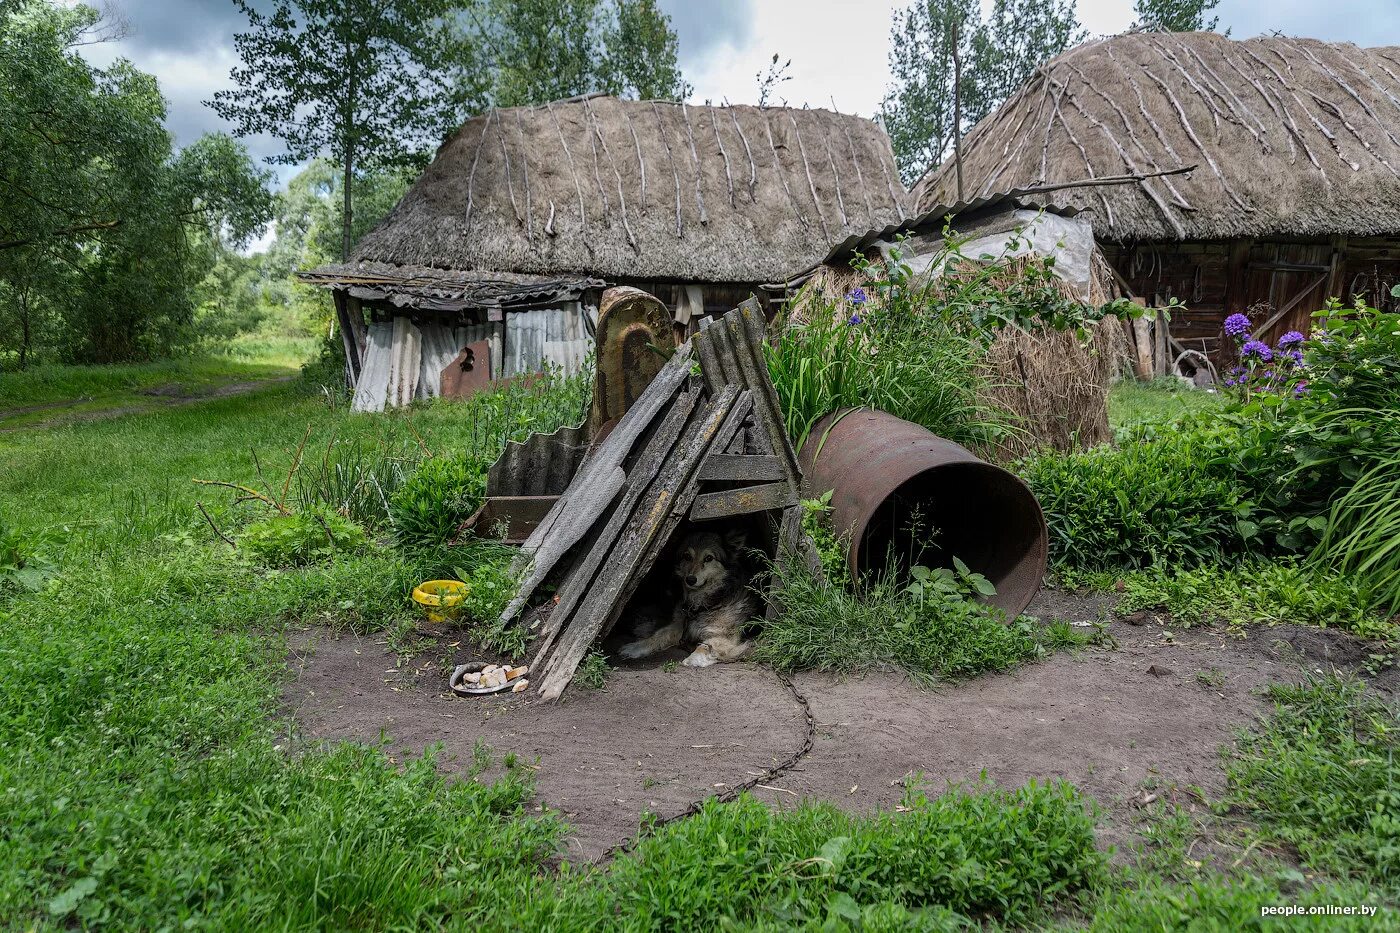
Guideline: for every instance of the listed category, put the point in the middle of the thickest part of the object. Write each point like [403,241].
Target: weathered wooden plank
[755,468]
[766,407]
[599,480]
[743,501]
[635,550]
[788,553]
[581,575]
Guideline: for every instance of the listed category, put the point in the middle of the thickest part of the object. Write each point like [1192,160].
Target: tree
[358,81]
[998,56]
[105,230]
[545,50]
[770,78]
[1174,15]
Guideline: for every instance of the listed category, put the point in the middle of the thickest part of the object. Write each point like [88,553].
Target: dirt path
[171,395]
[655,740]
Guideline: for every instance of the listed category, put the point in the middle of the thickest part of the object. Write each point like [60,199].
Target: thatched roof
[1289,136]
[643,190]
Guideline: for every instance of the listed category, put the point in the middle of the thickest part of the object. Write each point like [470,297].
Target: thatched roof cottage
[1296,192]
[525,213]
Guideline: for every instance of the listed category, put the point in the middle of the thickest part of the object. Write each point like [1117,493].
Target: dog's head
[706,559]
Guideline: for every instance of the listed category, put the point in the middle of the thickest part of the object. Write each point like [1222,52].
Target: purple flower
[853,320]
[1237,324]
[1257,348]
[1289,339]
[1295,355]
[1300,389]
[857,296]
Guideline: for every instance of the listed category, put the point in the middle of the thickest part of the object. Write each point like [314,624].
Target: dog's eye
[709,557]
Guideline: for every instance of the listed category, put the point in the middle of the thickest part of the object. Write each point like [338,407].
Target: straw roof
[643,190]
[1289,136]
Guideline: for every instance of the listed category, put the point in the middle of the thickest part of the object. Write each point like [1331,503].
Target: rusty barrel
[907,497]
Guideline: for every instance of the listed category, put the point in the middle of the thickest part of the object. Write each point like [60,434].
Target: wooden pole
[957,112]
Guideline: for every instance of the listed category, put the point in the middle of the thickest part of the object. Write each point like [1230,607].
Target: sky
[838,48]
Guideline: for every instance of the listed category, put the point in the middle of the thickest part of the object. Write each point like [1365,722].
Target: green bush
[1171,498]
[22,565]
[301,537]
[441,494]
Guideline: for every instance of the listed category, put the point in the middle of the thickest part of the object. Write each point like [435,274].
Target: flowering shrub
[1262,368]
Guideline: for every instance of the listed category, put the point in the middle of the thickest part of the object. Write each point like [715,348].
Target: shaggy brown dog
[715,603]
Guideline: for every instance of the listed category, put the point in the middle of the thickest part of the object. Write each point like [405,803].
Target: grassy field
[150,781]
[1132,403]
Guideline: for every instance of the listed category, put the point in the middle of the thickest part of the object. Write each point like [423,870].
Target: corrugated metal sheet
[373,386]
[557,336]
[440,347]
[491,332]
[405,362]
[540,465]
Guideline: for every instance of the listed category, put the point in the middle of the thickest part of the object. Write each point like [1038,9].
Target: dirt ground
[1152,712]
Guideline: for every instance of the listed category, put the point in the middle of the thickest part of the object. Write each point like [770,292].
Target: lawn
[152,780]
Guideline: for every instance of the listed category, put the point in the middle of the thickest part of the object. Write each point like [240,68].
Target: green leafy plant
[1166,497]
[301,537]
[933,627]
[831,550]
[593,671]
[485,567]
[22,564]
[438,497]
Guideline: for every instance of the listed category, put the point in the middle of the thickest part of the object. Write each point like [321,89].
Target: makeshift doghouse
[703,441]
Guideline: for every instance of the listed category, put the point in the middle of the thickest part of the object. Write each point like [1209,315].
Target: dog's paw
[634,650]
[700,657]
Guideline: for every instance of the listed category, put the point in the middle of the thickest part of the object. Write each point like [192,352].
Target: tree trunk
[25,330]
[347,204]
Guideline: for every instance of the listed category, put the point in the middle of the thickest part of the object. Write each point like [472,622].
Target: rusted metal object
[469,372]
[634,340]
[907,497]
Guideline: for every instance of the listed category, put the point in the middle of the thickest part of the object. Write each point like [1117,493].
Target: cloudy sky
[837,47]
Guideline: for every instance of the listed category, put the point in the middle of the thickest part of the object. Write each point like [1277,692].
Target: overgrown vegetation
[916,346]
[1305,463]
[933,628]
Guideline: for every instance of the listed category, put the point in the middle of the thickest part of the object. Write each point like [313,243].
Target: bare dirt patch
[1156,709]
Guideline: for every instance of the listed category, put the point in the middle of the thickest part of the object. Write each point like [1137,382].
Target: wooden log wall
[1279,283]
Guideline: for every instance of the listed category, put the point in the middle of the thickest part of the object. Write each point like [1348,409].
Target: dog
[715,603]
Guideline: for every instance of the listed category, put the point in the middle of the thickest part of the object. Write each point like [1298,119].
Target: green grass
[828,627]
[1132,403]
[150,781]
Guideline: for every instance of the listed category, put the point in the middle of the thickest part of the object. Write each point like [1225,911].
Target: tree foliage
[357,81]
[105,229]
[997,54]
[1174,15]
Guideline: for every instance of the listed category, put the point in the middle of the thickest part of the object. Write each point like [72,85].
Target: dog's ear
[734,539]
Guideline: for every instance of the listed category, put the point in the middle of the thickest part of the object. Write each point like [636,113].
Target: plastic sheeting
[1069,239]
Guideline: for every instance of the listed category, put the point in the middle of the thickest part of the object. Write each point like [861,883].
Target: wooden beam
[347,337]
[743,501]
[753,468]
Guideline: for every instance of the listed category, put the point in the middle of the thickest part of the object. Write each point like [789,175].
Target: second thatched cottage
[525,214]
[1295,196]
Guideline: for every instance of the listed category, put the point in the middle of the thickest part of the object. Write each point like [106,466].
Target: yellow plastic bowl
[440,599]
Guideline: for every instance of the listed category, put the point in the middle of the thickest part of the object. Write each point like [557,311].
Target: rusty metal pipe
[906,496]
